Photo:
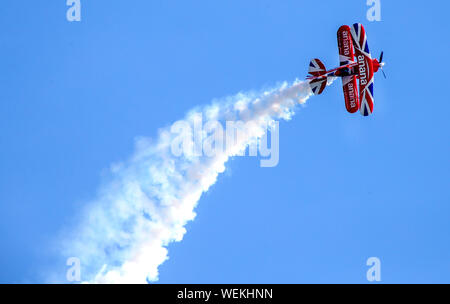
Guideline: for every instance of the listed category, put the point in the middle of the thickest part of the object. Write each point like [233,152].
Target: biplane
[356,70]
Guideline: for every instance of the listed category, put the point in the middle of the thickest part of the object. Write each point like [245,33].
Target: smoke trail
[125,232]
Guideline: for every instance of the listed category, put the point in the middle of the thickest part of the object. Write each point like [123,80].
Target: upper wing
[347,56]
[345,44]
[365,67]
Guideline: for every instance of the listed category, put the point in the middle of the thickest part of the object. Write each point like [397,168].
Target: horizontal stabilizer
[318,85]
[316,68]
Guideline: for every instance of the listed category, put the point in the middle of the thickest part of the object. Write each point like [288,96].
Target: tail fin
[316,68]
[318,85]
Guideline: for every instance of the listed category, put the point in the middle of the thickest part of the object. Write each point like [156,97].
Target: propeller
[382,64]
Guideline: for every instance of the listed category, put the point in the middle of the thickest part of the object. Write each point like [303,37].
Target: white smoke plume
[125,232]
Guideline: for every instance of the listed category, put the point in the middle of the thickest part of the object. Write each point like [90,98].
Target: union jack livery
[356,63]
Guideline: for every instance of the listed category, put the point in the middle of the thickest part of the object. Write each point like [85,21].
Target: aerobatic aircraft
[355,63]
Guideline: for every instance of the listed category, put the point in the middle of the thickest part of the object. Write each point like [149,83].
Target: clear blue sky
[73,96]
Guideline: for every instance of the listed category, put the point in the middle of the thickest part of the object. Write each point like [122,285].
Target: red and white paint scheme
[356,64]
